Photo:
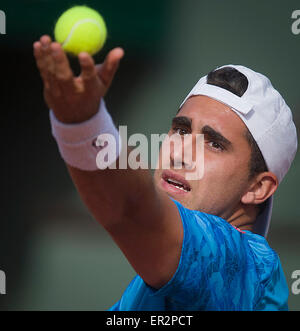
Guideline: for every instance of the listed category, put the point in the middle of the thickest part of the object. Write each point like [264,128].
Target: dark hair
[237,83]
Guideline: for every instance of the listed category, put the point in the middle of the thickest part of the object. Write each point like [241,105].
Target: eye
[215,146]
[181,131]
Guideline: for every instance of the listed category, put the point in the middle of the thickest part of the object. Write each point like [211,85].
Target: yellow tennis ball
[81,29]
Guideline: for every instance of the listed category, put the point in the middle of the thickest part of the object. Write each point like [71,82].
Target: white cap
[268,118]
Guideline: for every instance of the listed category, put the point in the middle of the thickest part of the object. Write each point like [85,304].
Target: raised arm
[143,221]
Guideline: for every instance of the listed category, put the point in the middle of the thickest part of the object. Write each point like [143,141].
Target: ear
[261,188]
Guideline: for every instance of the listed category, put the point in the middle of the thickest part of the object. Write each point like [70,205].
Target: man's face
[226,158]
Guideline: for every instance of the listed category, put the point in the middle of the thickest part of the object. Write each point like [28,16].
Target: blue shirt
[221,268]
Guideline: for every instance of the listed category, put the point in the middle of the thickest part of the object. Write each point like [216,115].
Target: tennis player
[194,244]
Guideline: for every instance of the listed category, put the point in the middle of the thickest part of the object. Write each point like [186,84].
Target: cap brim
[263,221]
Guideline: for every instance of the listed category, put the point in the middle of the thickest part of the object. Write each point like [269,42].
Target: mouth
[174,183]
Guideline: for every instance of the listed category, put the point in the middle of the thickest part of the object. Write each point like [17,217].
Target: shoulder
[218,238]
[266,260]
[272,292]
[261,250]
[211,229]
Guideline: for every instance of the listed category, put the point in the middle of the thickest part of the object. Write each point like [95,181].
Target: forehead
[203,110]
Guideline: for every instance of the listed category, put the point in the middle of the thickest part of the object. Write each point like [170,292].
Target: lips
[175,183]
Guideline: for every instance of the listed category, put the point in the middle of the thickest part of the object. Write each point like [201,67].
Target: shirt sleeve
[274,291]
[212,265]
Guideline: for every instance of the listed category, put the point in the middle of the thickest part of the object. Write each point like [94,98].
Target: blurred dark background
[55,256]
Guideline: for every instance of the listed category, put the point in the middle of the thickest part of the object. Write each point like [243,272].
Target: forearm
[114,195]
[109,194]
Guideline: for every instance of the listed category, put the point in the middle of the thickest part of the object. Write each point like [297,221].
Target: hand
[73,99]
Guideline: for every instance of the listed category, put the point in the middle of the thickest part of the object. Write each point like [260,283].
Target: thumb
[107,70]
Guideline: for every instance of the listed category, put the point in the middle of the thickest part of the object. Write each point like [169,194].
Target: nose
[181,152]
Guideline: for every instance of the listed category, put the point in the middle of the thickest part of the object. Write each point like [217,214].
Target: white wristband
[79,144]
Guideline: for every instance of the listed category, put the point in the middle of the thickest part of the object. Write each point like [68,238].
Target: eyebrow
[182,121]
[215,135]
[207,130]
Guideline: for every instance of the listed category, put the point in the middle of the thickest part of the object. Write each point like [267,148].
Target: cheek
[226,163]
[224,172]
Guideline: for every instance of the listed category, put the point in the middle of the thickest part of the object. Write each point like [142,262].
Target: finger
[107,70]
[45,64]
[40,61]
[45,41]
[41,48]
[88,70]
[49,65]
[46,53]
[62,72]
[38,54]
[37,51]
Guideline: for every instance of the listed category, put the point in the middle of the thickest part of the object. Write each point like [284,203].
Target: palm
[77,97]
[74,99]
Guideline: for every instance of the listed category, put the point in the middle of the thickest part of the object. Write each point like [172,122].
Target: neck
[244,217]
